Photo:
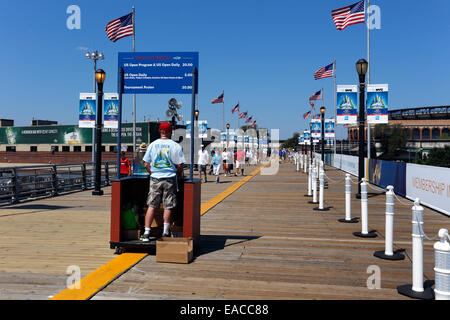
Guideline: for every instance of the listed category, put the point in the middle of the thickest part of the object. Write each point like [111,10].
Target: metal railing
[19,183]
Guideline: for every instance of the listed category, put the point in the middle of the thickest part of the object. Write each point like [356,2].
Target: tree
[439,157]
[291,143]
[392,139]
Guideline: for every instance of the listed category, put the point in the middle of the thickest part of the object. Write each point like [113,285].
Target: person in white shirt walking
[225,163]
[202,162]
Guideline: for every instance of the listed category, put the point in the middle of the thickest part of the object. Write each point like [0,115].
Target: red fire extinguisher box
[129,199]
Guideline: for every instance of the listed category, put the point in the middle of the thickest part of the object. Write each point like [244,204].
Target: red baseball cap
[165,126]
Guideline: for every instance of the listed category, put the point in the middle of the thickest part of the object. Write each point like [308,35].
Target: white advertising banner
[346,163]
[430,184]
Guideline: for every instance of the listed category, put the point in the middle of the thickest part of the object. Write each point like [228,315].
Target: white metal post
[442,266]
[389,242]
[348,201]
[417,254]
[417,289]
[389,253]
[364,214]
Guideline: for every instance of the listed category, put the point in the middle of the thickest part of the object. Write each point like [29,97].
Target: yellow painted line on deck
[211,203]
[100,278]
[103,276]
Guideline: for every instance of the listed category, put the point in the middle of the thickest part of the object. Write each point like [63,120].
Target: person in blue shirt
[217,164]
[164,162]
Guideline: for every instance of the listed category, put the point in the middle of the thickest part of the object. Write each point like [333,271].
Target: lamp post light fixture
[228,135]
[94,56]
[100,76]
[361,68]
[322,113]
[196,114]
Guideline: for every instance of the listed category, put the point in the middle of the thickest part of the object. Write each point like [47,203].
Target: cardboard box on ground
[174,250]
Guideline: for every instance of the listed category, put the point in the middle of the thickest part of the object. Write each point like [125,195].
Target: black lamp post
[361,68]
[228,135]
[322,113]
[100,76]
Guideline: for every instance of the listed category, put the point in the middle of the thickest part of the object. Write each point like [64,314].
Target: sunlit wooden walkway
[263,241]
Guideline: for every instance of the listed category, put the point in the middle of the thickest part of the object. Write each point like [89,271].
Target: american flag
[316,116]
[349,15]
[316,96]
[249,120]
[235,108]
[218,99]
[119,28]
[324,72]
[242,115]
[312,105]
[253,124]
[307,115]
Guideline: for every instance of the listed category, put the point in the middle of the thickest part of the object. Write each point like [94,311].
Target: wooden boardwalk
[40,239]
[264,241]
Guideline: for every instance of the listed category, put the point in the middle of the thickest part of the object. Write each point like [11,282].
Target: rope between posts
[421,229]
[335,181]
[351,180]
[368,184]
[401,202]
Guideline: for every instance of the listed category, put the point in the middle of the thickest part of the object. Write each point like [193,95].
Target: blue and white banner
[202,129]
[307,137]
[329,128]
[111,114]
[347,106]
[315,127]
[87,110]
[377,103]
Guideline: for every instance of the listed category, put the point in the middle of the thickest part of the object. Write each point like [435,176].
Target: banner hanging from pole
[315,127]
[87,110]
[346,104]
[377,103]
[111,114]
[329,129]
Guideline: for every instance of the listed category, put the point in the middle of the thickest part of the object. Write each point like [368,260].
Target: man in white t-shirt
[203,158]
[164,161]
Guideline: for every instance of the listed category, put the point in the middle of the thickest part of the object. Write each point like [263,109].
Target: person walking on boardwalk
[217,164]
[125,165]
[164,161]
[202,162]
[240,161]
[225,163]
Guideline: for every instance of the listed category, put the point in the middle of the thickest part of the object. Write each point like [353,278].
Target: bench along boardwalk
[265,242]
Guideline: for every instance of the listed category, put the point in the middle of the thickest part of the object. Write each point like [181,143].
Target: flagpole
[223,110]
[368,73]
[238,117]
[134,96]
[335,131]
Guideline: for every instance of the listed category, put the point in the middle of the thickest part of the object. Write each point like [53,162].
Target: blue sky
[261,53]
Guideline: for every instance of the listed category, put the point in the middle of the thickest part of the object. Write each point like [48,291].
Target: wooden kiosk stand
[130,193]
[133,191]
